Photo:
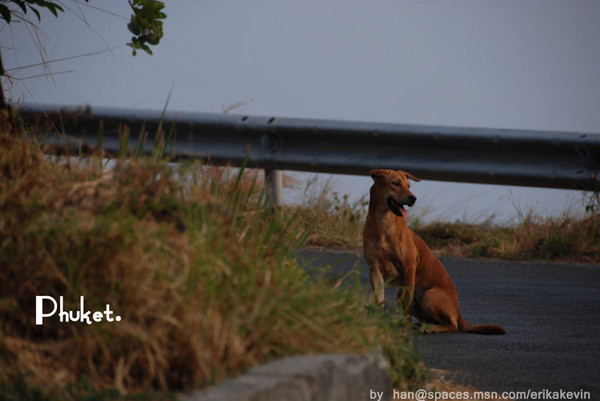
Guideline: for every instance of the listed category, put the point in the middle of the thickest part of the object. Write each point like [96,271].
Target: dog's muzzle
[398,208]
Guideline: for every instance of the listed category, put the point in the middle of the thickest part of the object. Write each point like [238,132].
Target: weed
[592,205]
[336,222]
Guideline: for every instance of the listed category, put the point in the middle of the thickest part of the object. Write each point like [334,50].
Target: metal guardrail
[492,156]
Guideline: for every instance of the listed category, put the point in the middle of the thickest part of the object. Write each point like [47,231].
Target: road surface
[551,312]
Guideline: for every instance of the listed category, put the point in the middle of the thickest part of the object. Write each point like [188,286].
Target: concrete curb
[332,377]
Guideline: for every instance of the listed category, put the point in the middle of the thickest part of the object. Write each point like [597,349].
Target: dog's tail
[465,326]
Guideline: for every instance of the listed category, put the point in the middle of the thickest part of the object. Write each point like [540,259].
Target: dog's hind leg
[440,310]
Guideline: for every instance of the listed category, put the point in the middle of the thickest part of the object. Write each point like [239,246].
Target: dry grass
[337,223]
[562,238]
[201,272]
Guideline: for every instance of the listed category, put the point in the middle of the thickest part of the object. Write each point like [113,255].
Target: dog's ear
[411,177]
[379,174]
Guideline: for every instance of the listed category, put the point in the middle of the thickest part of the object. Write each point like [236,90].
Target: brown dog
[396,254]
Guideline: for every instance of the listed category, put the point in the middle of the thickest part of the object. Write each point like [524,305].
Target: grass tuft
[335,221]
[202,273]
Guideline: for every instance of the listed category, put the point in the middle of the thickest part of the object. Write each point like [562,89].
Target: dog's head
[393,188]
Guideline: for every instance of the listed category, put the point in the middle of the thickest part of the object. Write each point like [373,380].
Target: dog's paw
[426,328]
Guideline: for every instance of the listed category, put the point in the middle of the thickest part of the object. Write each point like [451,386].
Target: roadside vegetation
[571,237]
[200,270]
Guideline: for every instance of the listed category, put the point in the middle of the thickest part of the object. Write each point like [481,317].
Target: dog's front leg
[377,284]
[406,295]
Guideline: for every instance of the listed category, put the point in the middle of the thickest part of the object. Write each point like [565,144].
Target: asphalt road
[551,312]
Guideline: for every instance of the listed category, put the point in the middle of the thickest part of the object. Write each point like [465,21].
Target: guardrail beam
[492,156]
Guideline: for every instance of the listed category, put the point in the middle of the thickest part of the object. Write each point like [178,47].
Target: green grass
[202,273]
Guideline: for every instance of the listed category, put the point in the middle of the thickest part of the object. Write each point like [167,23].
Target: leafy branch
[145,23]
[33,5]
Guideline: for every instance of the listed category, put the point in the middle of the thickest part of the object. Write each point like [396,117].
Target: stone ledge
[330,377]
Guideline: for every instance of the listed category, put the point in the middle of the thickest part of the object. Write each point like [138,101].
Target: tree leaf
[36,12]
[22,5]
[53,7]
[145,24]
[5,13]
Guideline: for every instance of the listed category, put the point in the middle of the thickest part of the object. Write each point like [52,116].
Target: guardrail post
[273,185]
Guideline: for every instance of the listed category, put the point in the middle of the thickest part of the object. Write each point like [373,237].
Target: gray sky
[509,64]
